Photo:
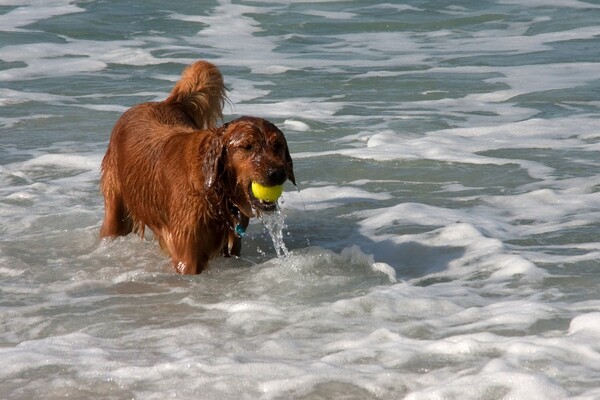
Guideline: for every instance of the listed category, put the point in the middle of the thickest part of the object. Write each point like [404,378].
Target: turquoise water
[444,236]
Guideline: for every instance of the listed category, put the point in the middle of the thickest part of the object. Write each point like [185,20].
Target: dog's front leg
[188,268]
[186,257]
[189,265]
[234,244]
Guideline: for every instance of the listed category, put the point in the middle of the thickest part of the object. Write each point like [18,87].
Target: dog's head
[250,150]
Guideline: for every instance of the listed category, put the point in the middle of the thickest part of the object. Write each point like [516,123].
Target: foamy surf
[444,242]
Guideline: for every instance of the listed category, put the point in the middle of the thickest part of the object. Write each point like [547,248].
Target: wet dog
[170,168]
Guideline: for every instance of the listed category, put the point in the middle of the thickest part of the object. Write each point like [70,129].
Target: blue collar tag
[240,230]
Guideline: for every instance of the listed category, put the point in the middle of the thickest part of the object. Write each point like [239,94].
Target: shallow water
[444,238]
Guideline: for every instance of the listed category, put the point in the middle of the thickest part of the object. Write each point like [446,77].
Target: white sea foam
[31,11]
[296,125]
[464,144]
[319,198]
[310,109]
[588,324]
[75,56]
[228,30]
[331,14]
[449,253]
[554,3]
[10,97]
[41,66]
[64,161]
[243,90]
[12,122]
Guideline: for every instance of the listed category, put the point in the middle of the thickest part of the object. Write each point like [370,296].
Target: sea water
[443,241]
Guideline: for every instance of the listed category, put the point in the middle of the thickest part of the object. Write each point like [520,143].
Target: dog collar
[240,230]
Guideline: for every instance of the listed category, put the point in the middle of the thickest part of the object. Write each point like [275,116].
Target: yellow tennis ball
[266,193]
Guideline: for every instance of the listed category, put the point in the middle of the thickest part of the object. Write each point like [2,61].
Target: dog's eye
[248,147]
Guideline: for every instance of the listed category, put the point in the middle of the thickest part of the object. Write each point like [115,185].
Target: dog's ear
[214,161]
[289,166]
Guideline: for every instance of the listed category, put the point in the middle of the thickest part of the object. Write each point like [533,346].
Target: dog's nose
[276,176]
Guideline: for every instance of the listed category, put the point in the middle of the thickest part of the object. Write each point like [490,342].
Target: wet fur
[170,168]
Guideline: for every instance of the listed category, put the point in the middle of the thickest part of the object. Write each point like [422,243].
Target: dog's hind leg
[117,221]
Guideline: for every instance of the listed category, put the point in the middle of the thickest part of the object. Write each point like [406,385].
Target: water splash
[275,222]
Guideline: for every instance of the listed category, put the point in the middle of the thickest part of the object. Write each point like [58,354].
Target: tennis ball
[266,193]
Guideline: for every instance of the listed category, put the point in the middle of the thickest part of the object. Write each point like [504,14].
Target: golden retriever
[170,168]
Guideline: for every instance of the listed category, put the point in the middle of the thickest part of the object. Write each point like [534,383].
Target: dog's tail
[201,93]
